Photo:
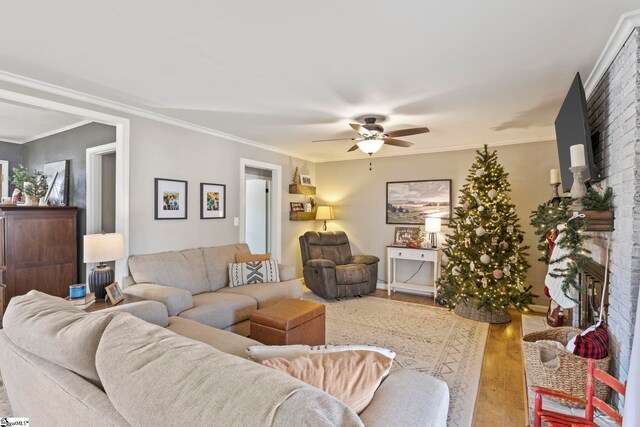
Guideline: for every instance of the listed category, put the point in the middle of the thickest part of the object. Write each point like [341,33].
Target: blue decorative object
[77,291]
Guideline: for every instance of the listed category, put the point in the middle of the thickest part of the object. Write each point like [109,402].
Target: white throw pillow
[253,272]
[260,353]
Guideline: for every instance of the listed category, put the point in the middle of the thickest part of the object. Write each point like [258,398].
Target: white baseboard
[383,285]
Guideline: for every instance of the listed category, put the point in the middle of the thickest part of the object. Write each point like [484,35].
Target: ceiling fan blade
[407,132]
[360,129]
[354,148]
[339,139]
[397,142]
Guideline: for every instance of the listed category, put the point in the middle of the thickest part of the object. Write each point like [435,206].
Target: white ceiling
[286,72]
[20,124]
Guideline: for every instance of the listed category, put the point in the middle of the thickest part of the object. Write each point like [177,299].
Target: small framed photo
[305,180]
[404,235]
[213,201]
[114,293]
[297,206]
[170,199]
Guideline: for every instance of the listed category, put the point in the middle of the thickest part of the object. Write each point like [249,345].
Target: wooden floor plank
[501,397]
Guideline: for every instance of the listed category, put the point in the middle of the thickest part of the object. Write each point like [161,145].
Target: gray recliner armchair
[331,271]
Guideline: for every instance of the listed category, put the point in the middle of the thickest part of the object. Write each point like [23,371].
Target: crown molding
[441,149]
[53,132]
[627,23]
[136,111]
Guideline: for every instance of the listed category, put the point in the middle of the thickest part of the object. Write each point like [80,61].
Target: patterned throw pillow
[250,273]
[593,343]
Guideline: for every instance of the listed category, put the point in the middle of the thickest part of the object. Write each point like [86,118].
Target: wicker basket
[471,311]
[563,371]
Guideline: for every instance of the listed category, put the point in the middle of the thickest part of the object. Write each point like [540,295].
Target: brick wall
[614,111]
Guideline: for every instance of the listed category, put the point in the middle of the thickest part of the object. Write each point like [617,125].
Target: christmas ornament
[466,206]
[520,288]
[504,245]
[455,271]
[495,217]
[494,241]
[485,259]
[480,172]
[475,195]
[492,193]
[480,231]
[467,241]
[472,266]
[445,259]
[481,208]
[510,229]
[561,227]
[504,291]
[507,270]
[468,220]
[485,282]
[498,274]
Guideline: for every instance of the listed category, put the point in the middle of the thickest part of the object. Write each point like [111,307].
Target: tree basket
[556,369]
[470,310]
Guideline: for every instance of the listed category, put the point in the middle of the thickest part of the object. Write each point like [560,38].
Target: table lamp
[324,213]
[433,226]
[101,248]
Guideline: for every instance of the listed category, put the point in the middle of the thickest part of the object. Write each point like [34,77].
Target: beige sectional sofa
[194,284]
[62,367]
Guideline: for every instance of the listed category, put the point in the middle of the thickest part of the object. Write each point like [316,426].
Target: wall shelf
[302,216]
[305,190]
[598,220]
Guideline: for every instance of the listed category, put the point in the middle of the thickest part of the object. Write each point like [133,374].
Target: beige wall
[359,195]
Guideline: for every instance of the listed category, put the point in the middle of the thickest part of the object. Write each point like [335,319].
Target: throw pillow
[593,343]
[249,257]
[249,273]
[259,353]
[350,376]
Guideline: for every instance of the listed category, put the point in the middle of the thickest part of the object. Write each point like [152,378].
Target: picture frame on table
[403,235]
[114,293]
[171,197]
[305,180]
[213,201]
[57,177]
[410,202]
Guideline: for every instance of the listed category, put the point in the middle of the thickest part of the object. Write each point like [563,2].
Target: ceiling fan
[373,137]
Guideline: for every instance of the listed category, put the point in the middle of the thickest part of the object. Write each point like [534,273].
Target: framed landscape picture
[170,199]
[410,202]
[57,176]
[213,201]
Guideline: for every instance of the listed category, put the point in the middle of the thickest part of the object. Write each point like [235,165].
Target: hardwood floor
[501,397]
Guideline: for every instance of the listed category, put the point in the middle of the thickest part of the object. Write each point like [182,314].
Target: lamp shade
[324,213]
[103,247]
[432,225]
[370,146]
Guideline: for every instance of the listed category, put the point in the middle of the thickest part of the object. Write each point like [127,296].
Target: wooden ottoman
[291,321]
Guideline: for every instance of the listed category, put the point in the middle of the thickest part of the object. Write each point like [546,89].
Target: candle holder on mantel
[578,189]
[554,190]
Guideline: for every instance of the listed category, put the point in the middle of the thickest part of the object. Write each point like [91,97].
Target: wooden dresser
[38,250]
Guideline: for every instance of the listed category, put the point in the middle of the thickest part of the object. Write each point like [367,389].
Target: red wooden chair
[553,419]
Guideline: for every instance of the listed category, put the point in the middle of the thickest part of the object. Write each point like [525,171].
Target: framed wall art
[213,201]
[410,202]
[404,235]
[57,176]
[305,180]
[296,206]
[170,199]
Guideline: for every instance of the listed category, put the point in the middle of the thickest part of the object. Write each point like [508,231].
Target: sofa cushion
[175,299]
[267,294]
[216,261]
[180,269]
[350,376]
[351,274]
[222,340]
[144,367]
[220,310]
[253,272]
[150,311]
[53,329]
[263,352]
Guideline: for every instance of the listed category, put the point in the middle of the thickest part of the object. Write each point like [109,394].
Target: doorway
[4,178]
[260,210]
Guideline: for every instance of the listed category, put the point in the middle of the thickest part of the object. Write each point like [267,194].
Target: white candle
[555,176]
[577,155]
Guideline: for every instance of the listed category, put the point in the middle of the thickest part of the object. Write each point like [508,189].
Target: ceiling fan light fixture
[371,145]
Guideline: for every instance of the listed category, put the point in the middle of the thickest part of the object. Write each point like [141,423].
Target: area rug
[426,339]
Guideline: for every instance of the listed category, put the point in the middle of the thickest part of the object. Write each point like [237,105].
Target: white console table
[395,253]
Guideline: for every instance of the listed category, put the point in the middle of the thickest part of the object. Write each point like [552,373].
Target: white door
[257,212]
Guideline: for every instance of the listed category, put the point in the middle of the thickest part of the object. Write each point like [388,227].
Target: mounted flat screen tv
[572,127]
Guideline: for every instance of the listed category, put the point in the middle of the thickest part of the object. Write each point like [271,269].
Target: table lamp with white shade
[433,226]
[102,248]
[323,214]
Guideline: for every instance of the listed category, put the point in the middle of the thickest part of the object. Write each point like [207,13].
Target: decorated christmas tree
[484,259]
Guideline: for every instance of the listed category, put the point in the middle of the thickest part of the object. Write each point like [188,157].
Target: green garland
[598,200]
[546,219]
